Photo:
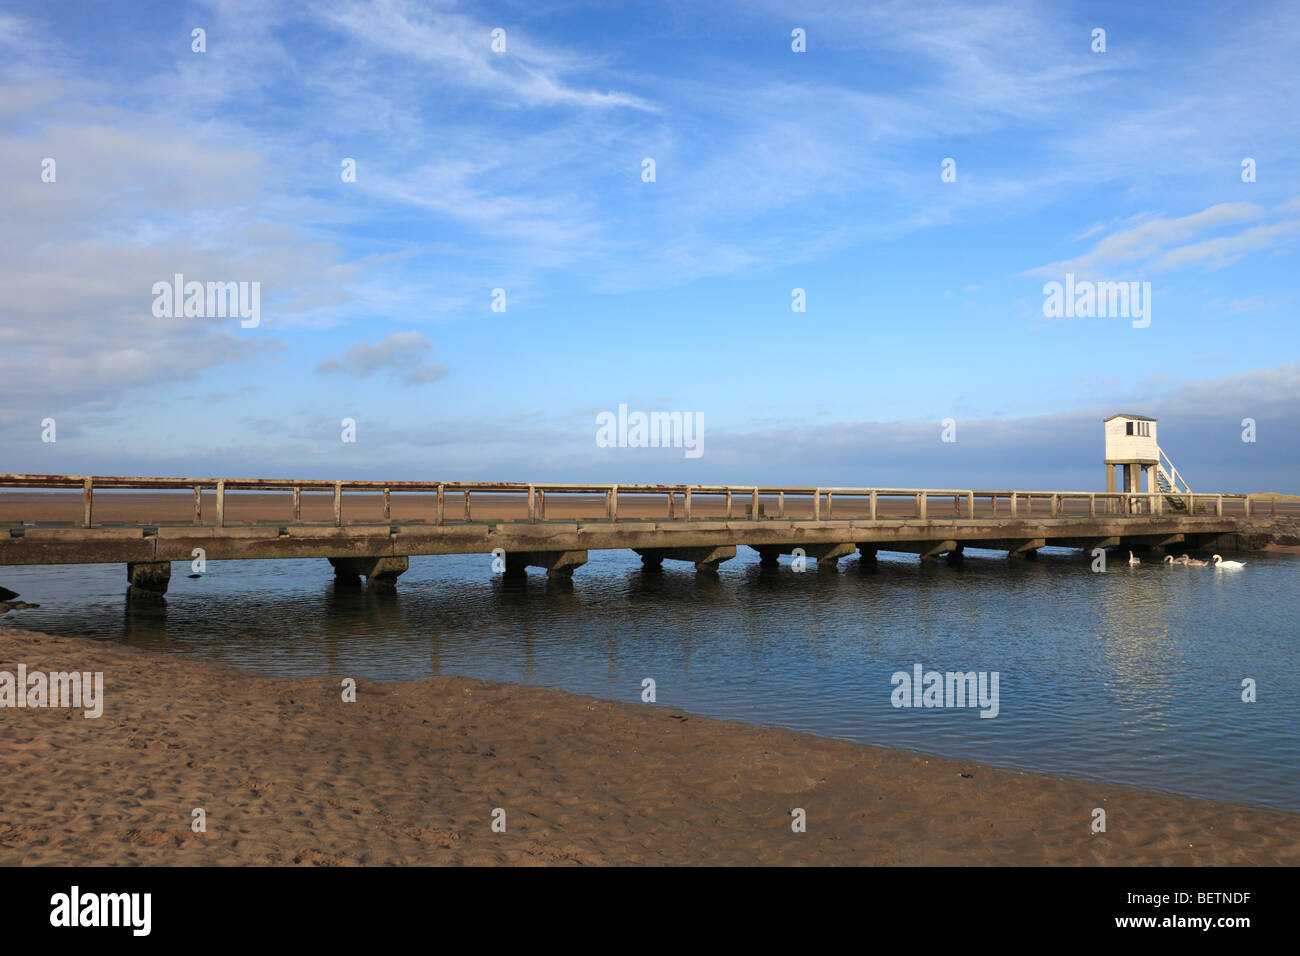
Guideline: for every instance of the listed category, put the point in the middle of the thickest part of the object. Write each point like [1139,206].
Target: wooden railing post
[780,504]
[754,504]
[87,501]
[198,504]
[921,500]
[439,513]
[817,504]
[873,505]
[297,502]
[1218,506]
[1013,504]
[338,504]
[467,512]
[532,504]
[612,499]
[672,505]
[1092,506]
[686,504]
[387,512]
[970,505]
[221,504]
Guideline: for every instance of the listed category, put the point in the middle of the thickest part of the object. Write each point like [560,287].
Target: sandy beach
[288,773]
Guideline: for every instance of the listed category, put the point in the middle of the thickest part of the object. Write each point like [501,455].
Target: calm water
[1132,676]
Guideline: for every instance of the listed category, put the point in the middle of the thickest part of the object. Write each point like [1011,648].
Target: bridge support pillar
[825,554]
[931,553]
[704,559]
[1159,543]
[828,555]
[150,576]
[956,555]
[1208,541]
[867,553]
[928,551]
[1103,543]
[1028,550]
[557,564]
[381,573]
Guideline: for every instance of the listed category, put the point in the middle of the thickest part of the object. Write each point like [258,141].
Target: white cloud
[460,48]
[399,353]
[1164,244]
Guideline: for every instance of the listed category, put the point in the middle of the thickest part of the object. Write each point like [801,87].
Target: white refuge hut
[1131,445]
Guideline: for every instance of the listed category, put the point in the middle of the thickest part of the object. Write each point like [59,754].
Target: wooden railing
[453,502]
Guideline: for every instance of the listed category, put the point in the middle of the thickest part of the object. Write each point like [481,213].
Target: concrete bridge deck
[371,528]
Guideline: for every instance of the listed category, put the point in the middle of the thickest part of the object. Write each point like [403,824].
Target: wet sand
[287,773]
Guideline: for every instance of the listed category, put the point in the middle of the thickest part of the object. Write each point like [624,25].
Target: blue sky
[775,170]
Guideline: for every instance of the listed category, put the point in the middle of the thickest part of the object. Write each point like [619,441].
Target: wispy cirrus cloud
[459,47]
[1164,244]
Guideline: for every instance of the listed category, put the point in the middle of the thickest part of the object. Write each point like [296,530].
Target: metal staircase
[1171,483]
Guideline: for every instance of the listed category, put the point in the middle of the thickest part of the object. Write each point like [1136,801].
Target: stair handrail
[1172,476]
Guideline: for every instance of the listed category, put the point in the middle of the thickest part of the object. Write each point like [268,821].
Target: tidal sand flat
[285,772]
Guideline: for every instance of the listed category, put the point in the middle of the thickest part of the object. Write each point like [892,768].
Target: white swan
[1193,562]
[1132,560]
[1220,564]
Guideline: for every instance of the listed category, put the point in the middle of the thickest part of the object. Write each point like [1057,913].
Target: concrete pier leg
[151,576]
[930,552]
[383,576]
[557,564]
[768,558]
[704,559]
[710,561]
[1026,550]
[1212,541]
[828,555]
[516,566]
[867,553]
[956,555]
[650,561]
[345,573]
[381,573]
[565,563]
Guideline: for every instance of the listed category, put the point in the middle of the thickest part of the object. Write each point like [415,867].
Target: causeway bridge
[371,528]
